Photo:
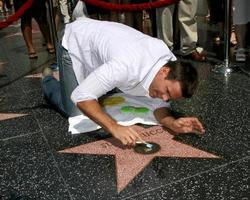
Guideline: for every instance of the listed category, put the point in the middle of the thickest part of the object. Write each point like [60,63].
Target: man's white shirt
[106,55]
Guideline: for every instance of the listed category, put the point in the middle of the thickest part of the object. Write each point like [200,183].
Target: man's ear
[165,70]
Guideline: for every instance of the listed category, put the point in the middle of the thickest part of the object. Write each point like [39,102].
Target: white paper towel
[82,124]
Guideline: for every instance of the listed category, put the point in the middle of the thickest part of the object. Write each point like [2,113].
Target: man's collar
[152,73]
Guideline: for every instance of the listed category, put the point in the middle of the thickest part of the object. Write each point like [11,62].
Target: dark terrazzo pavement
[31,166]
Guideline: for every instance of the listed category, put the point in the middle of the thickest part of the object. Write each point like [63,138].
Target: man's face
[163,88]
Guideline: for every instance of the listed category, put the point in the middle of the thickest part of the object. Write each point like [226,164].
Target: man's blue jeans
[58,92]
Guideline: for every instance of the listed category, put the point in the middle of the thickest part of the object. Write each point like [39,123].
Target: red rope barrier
[17,15]
[130,7]
[98,3]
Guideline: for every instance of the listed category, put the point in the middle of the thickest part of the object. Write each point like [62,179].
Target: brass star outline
[129,163]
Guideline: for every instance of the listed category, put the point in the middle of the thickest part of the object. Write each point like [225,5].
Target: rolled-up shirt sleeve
[105,78]
[89,89]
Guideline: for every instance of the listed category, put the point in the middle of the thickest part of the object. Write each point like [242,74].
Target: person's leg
[166,22]
[1,6]
[241,17]
[57,14]
[52,92]
[138,20]
[114,15]
[68,81]
[26,28]
[64,10]
[241,35]
[240,31]
[187,10]
[41,19]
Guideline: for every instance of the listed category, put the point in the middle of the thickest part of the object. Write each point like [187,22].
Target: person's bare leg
[44,27]
[26,28]
[57,17]
[1,6]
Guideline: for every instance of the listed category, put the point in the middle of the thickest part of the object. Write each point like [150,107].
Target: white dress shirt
[106,55]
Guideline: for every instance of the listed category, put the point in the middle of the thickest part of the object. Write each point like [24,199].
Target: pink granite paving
[3,62]
[14,34]
[40,75]
[5,116]
[35,30]
[129,163]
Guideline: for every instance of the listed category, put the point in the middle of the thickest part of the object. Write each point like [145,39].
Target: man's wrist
[168,121]
[112,127]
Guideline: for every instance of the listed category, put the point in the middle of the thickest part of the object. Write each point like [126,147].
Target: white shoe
[240,55]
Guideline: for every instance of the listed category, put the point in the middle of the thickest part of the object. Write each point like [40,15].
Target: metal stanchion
[52,24]
[225,67]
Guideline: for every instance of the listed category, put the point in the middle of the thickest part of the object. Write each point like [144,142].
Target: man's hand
[180,125]
[187,125]
[126,134]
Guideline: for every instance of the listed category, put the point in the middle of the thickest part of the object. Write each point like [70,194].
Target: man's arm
[106,77]
[126,134]
[179,125]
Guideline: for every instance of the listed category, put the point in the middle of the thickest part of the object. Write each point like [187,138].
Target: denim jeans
[58,92]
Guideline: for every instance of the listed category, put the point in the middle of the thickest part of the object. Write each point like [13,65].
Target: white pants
[187,10]
[63,4]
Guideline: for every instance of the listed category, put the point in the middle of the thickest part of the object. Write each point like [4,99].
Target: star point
[40,75]
[5,116]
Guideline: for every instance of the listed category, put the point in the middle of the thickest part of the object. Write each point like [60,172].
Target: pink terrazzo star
[14,34]
[129,163]
[40,75]
[3,62]
[5,116]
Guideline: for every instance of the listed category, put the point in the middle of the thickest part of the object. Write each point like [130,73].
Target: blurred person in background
[61,10]
[241,17]
[5,7]
[186,22]
[38,12]
[217,17]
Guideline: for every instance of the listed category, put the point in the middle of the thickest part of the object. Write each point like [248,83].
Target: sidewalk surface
[32,134]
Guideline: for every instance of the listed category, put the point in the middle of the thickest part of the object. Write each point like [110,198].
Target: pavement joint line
[53,157]
[19,136]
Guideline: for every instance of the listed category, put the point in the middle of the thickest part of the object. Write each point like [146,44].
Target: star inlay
[5,116]
[129,163]
[40,75]
[13,35]
[3,62]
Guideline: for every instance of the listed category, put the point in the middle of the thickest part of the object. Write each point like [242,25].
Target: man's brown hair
[186,74]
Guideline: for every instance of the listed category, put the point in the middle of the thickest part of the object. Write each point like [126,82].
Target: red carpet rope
[130,7]
[98,3]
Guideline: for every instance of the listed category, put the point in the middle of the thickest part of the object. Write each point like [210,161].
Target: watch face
[147,148]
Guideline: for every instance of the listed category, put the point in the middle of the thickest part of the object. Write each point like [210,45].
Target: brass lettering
[105,145]
[156,131]
[159,130]
[146,134]
[153,132]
